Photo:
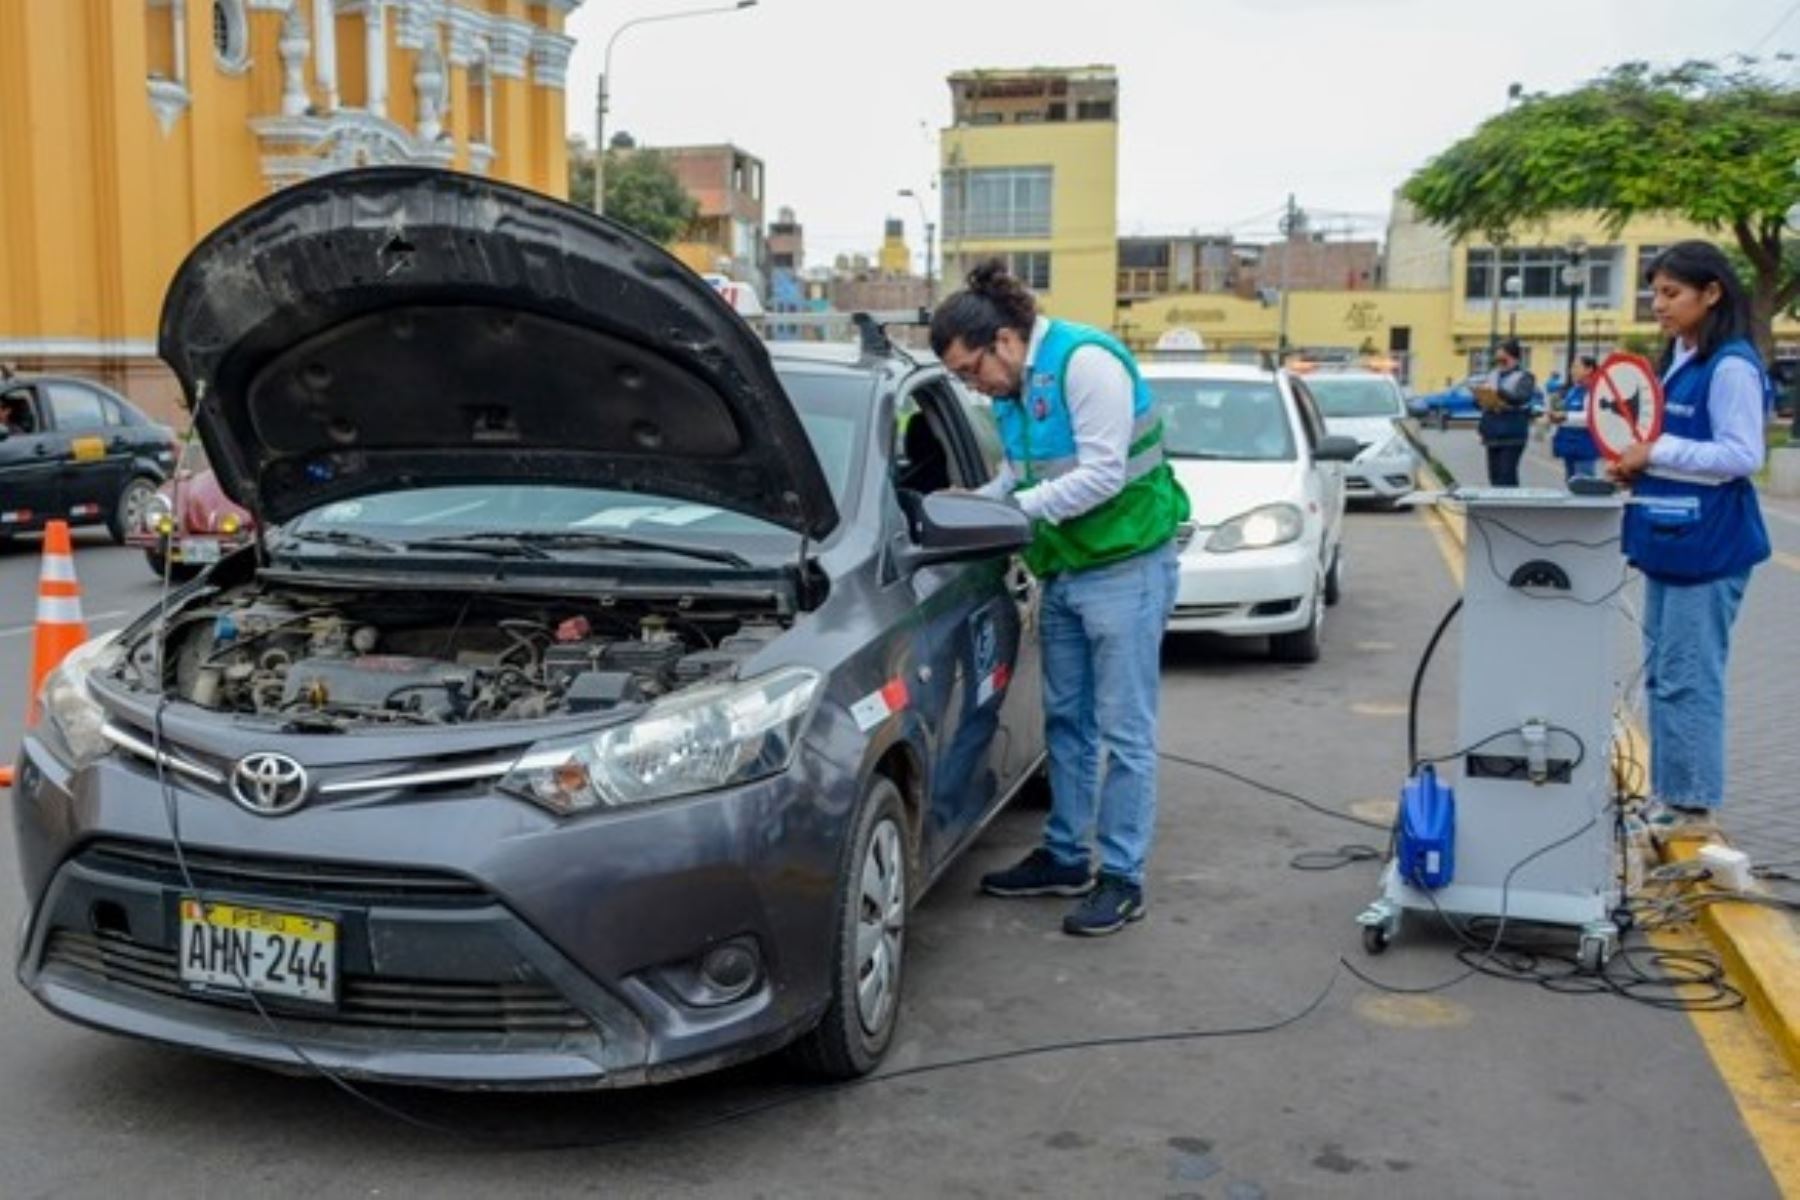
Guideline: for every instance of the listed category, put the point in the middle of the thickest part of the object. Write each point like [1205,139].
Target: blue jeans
[1687,645]
[1102,637]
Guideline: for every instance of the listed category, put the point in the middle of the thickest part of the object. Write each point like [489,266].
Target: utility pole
[1288,223]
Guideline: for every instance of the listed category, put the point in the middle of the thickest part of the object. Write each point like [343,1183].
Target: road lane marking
[22,630]
[1790,561]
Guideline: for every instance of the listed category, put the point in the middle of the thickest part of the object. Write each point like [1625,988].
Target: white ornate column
[428,86]
[375,33]
[292,46]
[325,51]
[178,29]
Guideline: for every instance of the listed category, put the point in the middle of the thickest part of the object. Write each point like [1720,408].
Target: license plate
[199,550]
[224,947]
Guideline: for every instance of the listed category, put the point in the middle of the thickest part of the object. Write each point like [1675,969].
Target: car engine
[334,660]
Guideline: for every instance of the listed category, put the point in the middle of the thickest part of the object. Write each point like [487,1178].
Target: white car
[1368,406]
[1263,554]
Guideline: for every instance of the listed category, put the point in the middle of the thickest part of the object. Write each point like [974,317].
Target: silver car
[598,698]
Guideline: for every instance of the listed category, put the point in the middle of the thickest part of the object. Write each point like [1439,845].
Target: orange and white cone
[59,625]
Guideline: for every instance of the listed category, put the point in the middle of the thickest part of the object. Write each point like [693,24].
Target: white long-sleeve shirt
[1099,393]
[1734,404]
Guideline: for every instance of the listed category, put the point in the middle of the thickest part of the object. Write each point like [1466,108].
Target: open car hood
[399,327]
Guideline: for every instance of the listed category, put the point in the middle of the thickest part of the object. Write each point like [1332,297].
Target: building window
[1645,293]
[1093,110]
[230,35]
[1029,267]
[1539,271]
[997,202]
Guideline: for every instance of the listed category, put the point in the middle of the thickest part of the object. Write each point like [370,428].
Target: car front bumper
[1385,478]
[497,946]
[1246,593]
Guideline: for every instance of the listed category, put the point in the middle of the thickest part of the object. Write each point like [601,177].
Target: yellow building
[1440,325]
[130,128]
[1030,169]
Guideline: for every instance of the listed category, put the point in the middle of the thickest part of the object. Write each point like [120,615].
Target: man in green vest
[1084,461]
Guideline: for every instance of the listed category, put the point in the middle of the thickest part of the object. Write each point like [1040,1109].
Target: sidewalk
[1760,945]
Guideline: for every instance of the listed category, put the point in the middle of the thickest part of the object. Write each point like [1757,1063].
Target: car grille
[342,883]
[416,1004]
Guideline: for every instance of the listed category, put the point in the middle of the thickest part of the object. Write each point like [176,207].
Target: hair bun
[991,278]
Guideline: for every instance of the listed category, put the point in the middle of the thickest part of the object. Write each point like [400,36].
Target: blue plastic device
[1427,830]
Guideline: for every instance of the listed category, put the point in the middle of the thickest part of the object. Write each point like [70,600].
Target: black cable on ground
[1271,789]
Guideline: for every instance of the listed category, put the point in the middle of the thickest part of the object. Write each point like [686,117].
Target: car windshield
[1350,396]
[832,406]
[1237,419]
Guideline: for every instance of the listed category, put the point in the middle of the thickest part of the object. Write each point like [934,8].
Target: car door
[97,455]
[30,470]
[969,648]
[1325,480]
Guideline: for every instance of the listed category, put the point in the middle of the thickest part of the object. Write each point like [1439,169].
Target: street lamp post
[1573,278]
[600,92]
[1494,299]
[930,247]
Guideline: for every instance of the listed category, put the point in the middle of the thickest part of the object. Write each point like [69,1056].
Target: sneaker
[1672,820]
[1111,906]
[1039,874]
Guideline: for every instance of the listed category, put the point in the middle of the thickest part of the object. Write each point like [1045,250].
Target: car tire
[1334,578]
[128,510]
[869,941]
[178,572]
[1302,645]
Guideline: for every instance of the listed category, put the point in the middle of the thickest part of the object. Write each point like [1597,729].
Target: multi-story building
[1030,173]
[895,257]
[787,242]
[1158,266]
[130,129]
[727,234]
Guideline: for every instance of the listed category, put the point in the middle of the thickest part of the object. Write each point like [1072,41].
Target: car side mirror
[1336,448]
[960,526]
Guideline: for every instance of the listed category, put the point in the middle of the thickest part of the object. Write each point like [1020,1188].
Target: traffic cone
[59,625]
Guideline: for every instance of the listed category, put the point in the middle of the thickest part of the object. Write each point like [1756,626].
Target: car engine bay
[336,660]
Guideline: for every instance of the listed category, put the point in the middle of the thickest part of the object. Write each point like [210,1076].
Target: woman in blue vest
[1084,461]
[1694,527]
[1573,443]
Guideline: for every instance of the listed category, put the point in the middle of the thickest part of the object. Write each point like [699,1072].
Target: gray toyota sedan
[600,694]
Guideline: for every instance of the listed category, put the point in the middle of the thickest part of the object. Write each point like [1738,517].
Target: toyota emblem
[268,784]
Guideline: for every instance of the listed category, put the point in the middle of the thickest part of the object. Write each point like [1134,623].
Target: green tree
[1720,147]
[581,173]
[643,192]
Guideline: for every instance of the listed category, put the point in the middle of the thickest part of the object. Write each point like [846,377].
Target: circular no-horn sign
[1625,403]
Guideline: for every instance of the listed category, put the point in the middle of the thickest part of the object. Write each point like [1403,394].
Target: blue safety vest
[1682,530]
[1573,440]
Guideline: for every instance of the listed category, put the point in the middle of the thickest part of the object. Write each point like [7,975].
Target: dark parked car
[607,695]
[74,450]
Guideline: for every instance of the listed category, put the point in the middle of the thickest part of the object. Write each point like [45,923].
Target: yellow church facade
[131,128]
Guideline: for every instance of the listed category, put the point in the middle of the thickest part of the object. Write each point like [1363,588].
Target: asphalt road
[1488,1088]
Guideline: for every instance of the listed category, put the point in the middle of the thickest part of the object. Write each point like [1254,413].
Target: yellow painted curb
[1761,952]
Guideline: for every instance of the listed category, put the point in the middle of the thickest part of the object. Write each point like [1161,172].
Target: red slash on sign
[1625,404]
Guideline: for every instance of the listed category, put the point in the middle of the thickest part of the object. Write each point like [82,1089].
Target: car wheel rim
[137,497]
[880,926]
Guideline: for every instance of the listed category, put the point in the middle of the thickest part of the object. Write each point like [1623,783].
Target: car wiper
[342,537]
[533,539]
[363,541]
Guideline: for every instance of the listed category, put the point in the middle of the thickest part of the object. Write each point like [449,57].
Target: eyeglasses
[970,371]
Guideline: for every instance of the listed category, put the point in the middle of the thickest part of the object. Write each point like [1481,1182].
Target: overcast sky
[1226,105]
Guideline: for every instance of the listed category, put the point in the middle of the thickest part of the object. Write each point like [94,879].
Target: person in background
[15,416]
[1694,527]
[1506,415]
[1573,443]
[1084,461]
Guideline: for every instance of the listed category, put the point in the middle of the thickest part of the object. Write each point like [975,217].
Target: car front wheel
[870,931]
[128,513]
[1302,645]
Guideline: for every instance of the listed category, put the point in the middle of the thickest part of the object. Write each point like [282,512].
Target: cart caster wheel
[1592,954]
[1375,939]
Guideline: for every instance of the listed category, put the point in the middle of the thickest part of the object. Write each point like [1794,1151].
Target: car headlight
[72,718]
[229,523]
[1270,525]
[1394,447]
[694,741]
[159,516]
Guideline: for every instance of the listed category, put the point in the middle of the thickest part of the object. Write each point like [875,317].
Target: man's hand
[1632,463]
